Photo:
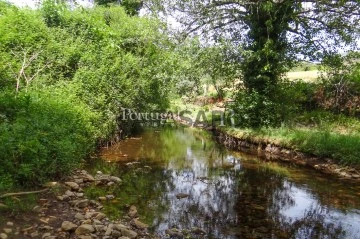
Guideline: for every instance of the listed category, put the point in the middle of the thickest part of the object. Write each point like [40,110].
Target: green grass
[344,148]
[320,133]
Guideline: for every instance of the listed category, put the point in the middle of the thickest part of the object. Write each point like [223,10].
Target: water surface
[230,195]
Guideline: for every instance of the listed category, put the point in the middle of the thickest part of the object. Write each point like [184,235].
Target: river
[181,178]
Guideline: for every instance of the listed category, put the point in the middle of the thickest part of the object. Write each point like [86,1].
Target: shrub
[42,136]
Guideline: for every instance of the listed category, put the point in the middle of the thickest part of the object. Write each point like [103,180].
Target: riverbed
[181,178]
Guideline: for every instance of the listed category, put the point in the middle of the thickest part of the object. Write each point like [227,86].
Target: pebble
[84,229]
[73,185]
[132,212]
[139,225]
[68,226]
[79,216]
[7,230]
[3,236]
[93,223]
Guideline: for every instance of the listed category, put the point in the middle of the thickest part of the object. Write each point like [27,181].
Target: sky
[34,3]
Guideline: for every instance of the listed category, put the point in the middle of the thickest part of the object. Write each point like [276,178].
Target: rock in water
[182,195]
[174,233]
[197,230]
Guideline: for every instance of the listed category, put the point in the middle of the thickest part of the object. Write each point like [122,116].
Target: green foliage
[220,66]
[290,99]
[132,7]
[64,76]
[340,89]
[273,35]
[42,135]
[52,12]
[23,37]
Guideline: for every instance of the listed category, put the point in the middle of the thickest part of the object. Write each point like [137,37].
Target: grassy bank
[344,148]
[320,133]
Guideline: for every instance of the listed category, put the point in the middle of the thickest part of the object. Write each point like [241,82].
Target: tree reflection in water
[228,196]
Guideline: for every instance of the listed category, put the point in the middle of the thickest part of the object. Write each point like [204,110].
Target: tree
[132,7]
[273,33]
[220,66]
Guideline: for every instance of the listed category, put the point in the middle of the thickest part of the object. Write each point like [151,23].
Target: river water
[181,178]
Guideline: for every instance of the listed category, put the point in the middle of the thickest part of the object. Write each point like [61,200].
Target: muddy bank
[273,152]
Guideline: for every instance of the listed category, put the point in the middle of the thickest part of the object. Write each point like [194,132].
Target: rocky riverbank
[67,213]
[274,152]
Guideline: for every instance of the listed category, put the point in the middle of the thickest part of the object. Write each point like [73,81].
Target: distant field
[303,75]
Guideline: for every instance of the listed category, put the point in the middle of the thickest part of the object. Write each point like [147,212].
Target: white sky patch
[33,4]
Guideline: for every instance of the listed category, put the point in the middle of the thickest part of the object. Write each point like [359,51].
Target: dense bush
[291,99]
[64,77]
[340,89]
[42,136]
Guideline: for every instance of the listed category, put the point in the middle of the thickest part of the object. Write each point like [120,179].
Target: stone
[34,234]
[7,230]
[119,226]
[133,212]
[100,216]
[116,234]
[109,230]
[115,179]
[10,224]
[85,237]
[84,229]
[79,181]
[128,233]
[60,198]
[79,216]
[73,185]
[197,230]
[82,203]
[69,193]
[123,237]
[79,195]
[88,178]
[89,215]
[182,195]
[174,233]
[97,222]
[110,197]
[109,184]
[68,226]
[46,235]
[100,228]
[3,236]
[88,221]
[138,224]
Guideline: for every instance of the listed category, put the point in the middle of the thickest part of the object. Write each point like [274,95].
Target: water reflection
[226,194]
